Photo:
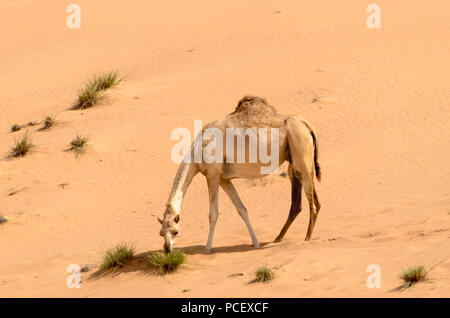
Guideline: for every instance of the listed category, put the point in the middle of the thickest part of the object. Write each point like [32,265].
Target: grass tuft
[3,219]
[87,98]
[104,81]
[117,256]
[413,275]
[78,145]
[91,94]
[15,127]
[166,263]
[22,146]
[264,274]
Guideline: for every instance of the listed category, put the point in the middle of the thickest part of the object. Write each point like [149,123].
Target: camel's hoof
[256,245]
[278,240]
[207,250]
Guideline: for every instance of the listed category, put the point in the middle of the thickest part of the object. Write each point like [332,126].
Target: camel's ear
[159,220]
[177,219]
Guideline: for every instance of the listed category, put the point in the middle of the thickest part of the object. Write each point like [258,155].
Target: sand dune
[378,99]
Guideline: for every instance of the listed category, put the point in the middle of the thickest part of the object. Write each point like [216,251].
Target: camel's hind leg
[296,204]
[313,210]
[316,201]
[302,150]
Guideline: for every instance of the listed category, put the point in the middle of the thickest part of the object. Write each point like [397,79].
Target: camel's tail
[316,156]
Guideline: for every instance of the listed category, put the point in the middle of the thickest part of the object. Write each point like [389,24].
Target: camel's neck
[183,178]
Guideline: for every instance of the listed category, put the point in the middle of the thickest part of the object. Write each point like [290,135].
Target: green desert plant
[78,145]
[117,256]
[22,146]
[264,274]
[413,275]
[88,98]
[91,94]
[16,127]
[166,263]
[104,81]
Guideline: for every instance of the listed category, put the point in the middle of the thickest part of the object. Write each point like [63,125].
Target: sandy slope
[381,109]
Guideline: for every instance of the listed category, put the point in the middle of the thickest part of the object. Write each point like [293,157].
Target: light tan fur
[297,144]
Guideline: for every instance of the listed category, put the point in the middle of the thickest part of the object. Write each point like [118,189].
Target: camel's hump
[253,105]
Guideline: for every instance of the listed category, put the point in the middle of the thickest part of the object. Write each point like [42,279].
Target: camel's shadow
[140,263]
[200,249]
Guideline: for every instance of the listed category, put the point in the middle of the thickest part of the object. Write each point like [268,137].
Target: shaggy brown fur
[254,111]
[254,104]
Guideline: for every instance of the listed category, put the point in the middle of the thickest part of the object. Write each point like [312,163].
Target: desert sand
[378,98]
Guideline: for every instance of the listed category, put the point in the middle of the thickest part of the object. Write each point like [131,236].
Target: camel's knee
[213,218]
[314,214]
[243,212]
[316,202]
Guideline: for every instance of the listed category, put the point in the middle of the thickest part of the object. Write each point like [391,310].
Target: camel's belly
[247,170]
[261,167]
[250,171]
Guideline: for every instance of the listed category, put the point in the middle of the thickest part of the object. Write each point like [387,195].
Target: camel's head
[169,228]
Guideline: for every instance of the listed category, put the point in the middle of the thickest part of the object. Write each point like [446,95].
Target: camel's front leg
[213,189]
[229,188]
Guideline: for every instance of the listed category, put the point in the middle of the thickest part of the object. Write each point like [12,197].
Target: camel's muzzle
[168,244]
[168,248]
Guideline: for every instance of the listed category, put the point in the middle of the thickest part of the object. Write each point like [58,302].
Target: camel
[297,144]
